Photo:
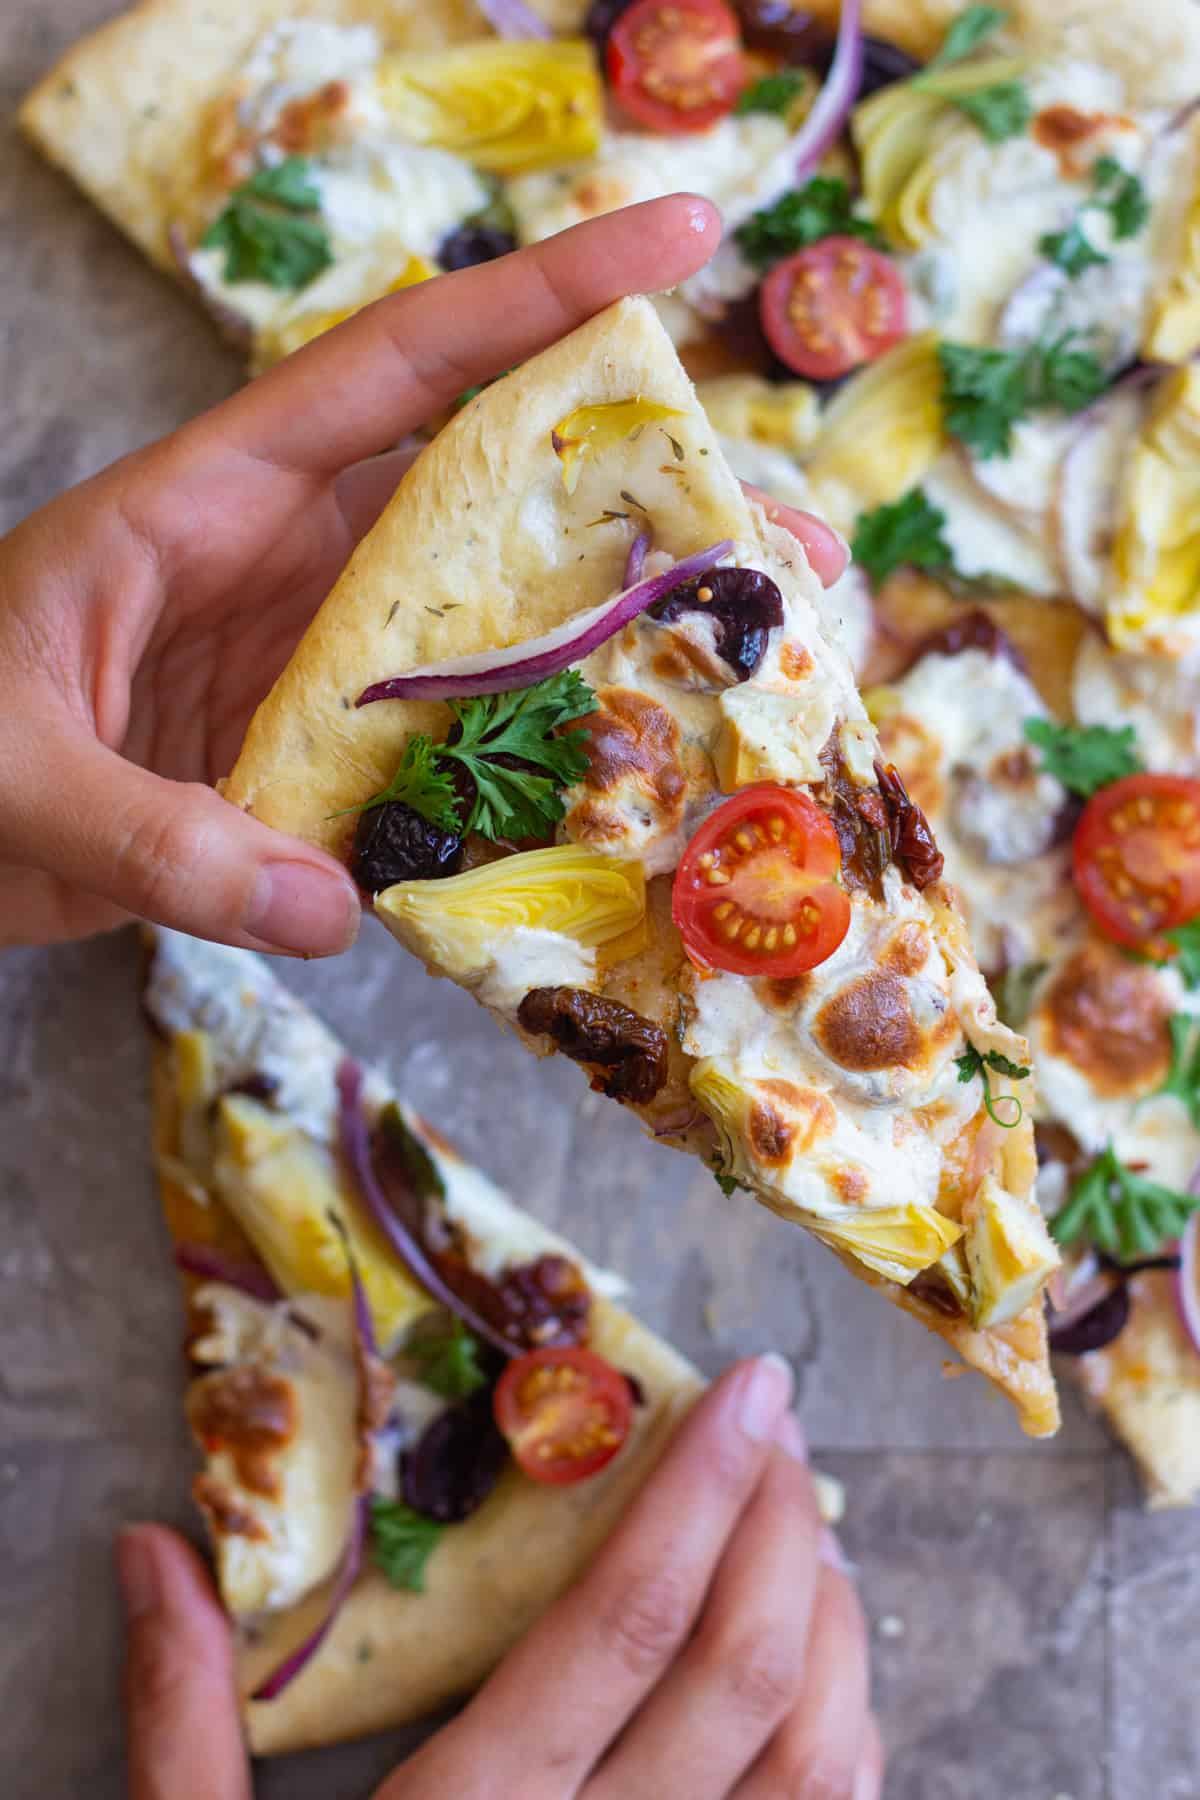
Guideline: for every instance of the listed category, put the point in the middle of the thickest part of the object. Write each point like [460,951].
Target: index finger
[356,390]
[597,1653]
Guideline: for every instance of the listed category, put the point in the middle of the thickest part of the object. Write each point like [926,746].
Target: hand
[714,1649]
[145,614]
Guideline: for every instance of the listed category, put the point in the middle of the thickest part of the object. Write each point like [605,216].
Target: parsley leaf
[986,392]
[1071,250]
[269,229]
[728,1184]
[821,208]
[419,783]
[519,802]
[1084,757]
[449,1361]
[1186,939]
[776,93]
[975,1062]
[402,1542]
[1000,111]
[1183,1079]
[1121,195]
[966,34]
[1125,1214]
[906,534]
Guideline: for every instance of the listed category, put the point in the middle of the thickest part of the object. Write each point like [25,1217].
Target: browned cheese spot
[850,1185]
[870,1025]
[1071,134]
[795,661]
[907,950]
[251,1415]
[633,756]
[786,1118]
[227,1515]
[1108,1016]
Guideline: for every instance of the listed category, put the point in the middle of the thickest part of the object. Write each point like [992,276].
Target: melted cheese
[957,735]
[1159,697]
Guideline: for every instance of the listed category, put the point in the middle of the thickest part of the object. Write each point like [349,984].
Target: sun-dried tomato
[913,843]
[626,1054]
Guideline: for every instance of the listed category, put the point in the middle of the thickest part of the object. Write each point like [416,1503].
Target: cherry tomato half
[1136,856]
[756,892]
[565,1413]
[833,306]
[676,65]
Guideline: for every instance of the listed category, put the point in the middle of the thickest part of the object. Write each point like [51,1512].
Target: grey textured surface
[1035,1634]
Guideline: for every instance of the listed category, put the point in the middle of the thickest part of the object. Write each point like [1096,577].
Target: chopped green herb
[1186,939]
[986,392]
[1071,250]
[270,229]
[421,784]
[821,208]
[776,93]
[449,1361]
[968,31]
[974,1062]
[1085,758]
[1121,195]
[1002,111]
[402,1542]
[1125,1214]
[906,534]
[1183,1078]
[728,1184]
[1013,992]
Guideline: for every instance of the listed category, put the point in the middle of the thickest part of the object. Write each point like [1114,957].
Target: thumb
[184,1738]
[173,852]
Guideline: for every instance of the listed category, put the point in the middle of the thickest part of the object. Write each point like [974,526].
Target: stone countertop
[1034,1632]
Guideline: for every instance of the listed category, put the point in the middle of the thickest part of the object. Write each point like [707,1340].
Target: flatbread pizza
[378,1544]
[837,1052]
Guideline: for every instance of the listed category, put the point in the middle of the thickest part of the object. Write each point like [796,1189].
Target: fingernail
[137,1572]
[833,1556]
[299,907]
[789,1435]
[765,1393]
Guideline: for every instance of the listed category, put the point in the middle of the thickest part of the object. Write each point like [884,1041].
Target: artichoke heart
[1156,556]
[1173,332]
[896,1242]
[296,329]
[285,1191]
[728,1105]
[880,434]
[1010,1253]
[456,925]
[506,104]
[590,430]
[784,414]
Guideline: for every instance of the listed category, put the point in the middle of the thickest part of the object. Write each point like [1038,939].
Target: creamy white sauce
[530,957]
[986,538]
[1160,698]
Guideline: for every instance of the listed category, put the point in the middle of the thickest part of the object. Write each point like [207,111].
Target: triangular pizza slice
[575,719]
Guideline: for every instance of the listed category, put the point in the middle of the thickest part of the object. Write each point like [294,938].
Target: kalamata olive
[602,15]
[884,63]
[471,244]
[456,1461]
[394,843]
[742,603]
[1098,1327]
[786,30]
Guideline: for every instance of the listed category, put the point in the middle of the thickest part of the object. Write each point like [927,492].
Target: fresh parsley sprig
[1002,109]
[1183,1077]
[1084,758]
[975,1062]
[1125,1214]
[1071,250]
[509,802]
[1116,191]
[271,230]
[777,93]
[402,1541]
[968,31]
[986,392]
[1186,941]
[821,208]
[905,534]
[448,1361]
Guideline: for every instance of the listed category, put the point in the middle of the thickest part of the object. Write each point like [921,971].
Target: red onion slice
[635,562]
[356,1146]
[235,1272]
[347,1575]
[1187,1278]
[522,665]
[513,19]
[824,123]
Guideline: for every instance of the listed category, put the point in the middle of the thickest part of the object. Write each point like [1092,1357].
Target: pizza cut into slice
[356,1292]
[572,717]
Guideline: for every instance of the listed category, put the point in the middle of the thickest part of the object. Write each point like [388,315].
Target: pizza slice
[572,718]
[363,1305]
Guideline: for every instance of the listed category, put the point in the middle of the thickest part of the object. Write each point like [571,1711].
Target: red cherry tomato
[565,1413]
[756,892]
[1136,856]
[833,306]
[676,65]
